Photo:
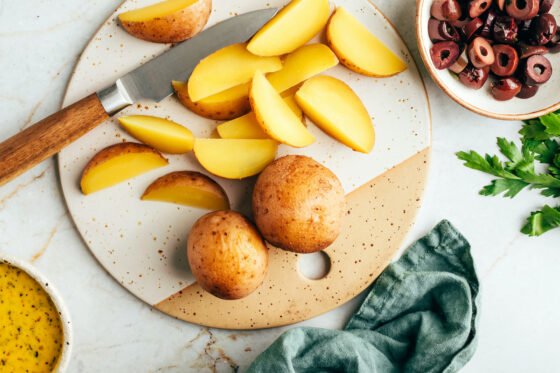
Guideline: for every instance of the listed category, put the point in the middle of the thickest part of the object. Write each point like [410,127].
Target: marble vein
[20,187]
[49,240]
[505,251]
[30,118]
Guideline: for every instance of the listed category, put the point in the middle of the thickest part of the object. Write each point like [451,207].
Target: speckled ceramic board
[142,244]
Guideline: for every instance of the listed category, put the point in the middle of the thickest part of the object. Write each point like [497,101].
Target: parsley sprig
[540,144]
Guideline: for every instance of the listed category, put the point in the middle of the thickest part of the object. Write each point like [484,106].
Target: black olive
[473,77]
[537,70]
[528,91]
[444,54]
[506,89]
[505,30]
[543,29]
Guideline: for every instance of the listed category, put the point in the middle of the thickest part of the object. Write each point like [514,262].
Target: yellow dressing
[31,335]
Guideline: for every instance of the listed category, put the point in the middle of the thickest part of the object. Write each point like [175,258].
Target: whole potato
[298,204]
[227,255]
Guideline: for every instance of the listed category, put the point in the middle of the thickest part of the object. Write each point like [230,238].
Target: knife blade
[151,81]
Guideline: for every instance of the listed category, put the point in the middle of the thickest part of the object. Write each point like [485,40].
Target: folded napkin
[420,316]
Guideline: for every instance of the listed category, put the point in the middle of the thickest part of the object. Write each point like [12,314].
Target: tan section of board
[379,215]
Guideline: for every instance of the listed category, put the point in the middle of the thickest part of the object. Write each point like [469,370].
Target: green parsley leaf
[540,143]
[552,124]
[510,188]
[546,151]
[534,130]
[489,164]
[542,221]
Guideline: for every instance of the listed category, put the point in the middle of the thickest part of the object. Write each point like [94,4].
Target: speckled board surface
[142,244]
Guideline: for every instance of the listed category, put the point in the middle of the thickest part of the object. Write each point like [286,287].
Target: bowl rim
[53,293]
[433,74]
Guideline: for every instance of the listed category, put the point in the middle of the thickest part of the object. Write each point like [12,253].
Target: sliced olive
[524,30]
[442,30]
[471,28]
[506,89]
[446,10]
[546,5]
[488,26]
[480,52]
[461,63]
[523,10]
[537,70]
[478,7]
[505,30]
[506,61]
[473,77]
[531,50]
[528,91]
[444,54]
[554,45]
[543,29]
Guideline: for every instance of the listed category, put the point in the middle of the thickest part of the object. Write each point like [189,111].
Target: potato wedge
[275,116]
[292,27]
[234,159]
[227,68]
[226,105]
[169,21]
[247,127]
[334,107]
[304,63]
[188,188]
[358,49]
[161,134]
[118,163]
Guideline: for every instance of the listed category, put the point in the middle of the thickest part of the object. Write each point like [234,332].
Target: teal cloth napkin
[420,316]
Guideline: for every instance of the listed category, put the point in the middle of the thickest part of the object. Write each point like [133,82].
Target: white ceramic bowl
[57,300]
[481,101]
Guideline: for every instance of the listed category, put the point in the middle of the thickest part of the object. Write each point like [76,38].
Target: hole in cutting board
[314,266]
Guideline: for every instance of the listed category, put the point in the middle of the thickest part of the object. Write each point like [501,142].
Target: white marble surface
[40,41]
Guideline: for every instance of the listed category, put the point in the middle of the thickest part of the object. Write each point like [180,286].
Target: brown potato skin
[173,28]
[223,112]
[227,255]
[298,204]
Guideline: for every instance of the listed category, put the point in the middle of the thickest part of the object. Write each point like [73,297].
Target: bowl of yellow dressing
[35,329]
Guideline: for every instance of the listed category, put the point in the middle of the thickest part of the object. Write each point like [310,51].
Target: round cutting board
[143,244]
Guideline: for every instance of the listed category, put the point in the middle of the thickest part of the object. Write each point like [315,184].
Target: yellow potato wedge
[275,116]
[227,68]
[304,63]
[247,127]
[161,134]
[226,105]
[292,27]
[358,49]
[169,21]
[188,188]
[334,107]
[118,163]
[233,158]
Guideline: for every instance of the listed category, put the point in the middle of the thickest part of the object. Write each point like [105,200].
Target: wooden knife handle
[49,136]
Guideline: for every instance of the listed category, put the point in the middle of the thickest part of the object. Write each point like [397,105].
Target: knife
[151,81]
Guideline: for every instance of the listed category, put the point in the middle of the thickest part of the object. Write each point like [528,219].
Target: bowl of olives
[498,58]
